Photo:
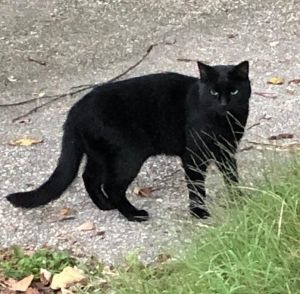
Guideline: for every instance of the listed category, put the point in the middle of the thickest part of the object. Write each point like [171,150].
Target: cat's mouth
[223,110]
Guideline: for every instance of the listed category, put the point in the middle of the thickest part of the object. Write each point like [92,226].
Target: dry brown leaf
[68,277]
[143,192]
[100,233]
[66,213]
[45,276]
[25,120]
[276,81]
[87,226]
[25,142]
[294,81]
[32,291]
[23,284]
[163,257]
[232,35]
[66,291]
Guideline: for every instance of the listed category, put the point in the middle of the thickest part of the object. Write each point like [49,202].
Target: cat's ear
[206,71]
[241,70]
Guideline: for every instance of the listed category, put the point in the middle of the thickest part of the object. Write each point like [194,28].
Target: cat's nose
[223,101]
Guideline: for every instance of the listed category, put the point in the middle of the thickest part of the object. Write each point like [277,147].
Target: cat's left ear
[206,72]
[241,70]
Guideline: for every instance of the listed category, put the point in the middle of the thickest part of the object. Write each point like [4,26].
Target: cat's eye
[213,92]
[234,92]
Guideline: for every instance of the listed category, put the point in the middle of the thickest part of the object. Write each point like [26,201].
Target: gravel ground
[80,42]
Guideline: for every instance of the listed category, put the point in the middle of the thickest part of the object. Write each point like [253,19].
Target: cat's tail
[61,178]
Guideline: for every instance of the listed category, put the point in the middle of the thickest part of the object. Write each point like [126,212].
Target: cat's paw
[199,212]
[138,216]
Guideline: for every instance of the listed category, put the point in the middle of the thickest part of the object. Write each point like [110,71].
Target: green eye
[213,92]
[234,92]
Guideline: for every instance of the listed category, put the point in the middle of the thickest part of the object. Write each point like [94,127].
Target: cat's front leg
[227,165]
[195,172]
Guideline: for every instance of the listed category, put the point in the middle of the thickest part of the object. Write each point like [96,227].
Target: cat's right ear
[206,71]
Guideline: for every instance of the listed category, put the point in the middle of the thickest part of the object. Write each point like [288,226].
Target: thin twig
[264,117]
[247,148]
[266,95]
[290,146]
[81,88]
[186,60]
[44,63]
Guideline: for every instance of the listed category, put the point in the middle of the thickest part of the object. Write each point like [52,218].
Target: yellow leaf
[25,142]
[276,81]
[68,277]
[22,285]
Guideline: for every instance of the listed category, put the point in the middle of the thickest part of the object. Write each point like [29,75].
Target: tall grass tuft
[256,250]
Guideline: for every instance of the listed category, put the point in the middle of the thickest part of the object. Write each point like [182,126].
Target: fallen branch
[76,89]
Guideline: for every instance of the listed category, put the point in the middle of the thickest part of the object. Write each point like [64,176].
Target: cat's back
[138,94]
[158,82]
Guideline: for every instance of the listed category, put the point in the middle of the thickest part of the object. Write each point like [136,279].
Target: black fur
[119,125]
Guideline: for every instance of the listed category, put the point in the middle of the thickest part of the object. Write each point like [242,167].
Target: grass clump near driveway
[257,250]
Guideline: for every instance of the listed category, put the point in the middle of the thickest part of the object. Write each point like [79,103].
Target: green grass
[257,249]
[16,263]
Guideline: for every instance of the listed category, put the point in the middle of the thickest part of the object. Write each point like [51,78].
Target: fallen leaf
[163,257]
[231,36]
[32,291]
[66,291]
[23,284]
[281,136]
[45,276]
[5,282]
[65,211]
[87,226]
[24,121]
[295,81]
[11,79]
[143,192]
[100,233]
[68,277]
[66,214]
[25,142]
[275,81]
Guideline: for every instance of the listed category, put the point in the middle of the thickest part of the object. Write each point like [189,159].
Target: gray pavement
[92,41]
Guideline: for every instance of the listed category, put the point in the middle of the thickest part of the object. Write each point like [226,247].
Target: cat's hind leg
[93,182]
[121,171]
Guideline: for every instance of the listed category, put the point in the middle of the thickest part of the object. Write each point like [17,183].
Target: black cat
[119,125]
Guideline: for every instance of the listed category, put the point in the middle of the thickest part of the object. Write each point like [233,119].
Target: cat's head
[225,87]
